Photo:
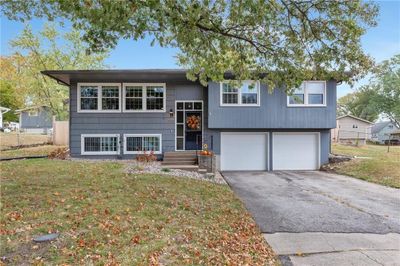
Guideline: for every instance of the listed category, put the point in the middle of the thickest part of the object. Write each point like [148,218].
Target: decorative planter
[207,162]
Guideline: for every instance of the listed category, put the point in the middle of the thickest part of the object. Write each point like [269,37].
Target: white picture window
[248,94]
[100,144]
[144,97]
[310,93]
[96,97]
[141,143]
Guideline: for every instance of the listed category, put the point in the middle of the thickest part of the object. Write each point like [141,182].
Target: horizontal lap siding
[42,120]
[132,123]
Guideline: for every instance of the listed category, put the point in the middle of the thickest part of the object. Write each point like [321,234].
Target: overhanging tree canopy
[288,39]
[39,51]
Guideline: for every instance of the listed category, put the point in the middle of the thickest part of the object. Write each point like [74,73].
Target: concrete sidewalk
[336,248]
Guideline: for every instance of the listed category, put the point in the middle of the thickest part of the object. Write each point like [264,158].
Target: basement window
[142,143]
[99,144]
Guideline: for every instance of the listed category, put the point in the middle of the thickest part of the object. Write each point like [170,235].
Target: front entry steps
[184,160]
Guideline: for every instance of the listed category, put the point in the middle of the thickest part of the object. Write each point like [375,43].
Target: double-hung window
[142,143]
[99,144]
[96,97]
[133,98]
[246,94]
[310,93]
[149,97]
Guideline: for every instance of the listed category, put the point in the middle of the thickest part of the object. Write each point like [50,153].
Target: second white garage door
[244,151]
[295,151]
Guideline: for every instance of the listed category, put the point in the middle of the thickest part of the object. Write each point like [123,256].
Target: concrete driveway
[317,218]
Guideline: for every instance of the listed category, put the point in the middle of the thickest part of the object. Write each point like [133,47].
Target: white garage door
[243,151]
[295,151]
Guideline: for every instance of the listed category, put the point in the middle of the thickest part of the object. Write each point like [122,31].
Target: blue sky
[381,42]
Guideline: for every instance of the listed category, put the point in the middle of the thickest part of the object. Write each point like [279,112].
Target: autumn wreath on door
[193,122]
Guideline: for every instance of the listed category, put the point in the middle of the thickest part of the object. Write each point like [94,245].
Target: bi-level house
[122,113]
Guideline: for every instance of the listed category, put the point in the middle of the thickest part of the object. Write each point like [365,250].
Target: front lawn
[376,165]
[106,216]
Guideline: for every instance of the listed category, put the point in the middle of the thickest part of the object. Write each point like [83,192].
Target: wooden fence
[60,133]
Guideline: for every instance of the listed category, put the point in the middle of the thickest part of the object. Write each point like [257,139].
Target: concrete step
[180,157]
[182,167]
[180,153]
[181,162]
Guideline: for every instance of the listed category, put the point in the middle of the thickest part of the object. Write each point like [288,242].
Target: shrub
[60,153]
[146,157]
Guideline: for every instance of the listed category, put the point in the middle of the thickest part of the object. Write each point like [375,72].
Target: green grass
[380,166]
[106,216]
[39,150]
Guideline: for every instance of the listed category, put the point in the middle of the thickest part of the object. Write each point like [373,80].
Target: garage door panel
[244,151]
[295,151]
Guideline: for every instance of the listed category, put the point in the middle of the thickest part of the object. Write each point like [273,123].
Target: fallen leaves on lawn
[109,219]
[14,216]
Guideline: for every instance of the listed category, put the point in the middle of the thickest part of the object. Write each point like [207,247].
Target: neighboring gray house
[382,130]
[35,119]
[351,130]
[122,113]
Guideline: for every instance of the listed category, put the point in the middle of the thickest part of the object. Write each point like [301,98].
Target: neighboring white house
[351,130]
[3,110]
[381,131]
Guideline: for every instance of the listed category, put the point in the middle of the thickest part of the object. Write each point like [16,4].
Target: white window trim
[141,135]
[83,152]
[240,104]
[306,104]
[99,97]
[144,98]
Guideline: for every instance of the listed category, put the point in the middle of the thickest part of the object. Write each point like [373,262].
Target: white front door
[295,150]
[244,151]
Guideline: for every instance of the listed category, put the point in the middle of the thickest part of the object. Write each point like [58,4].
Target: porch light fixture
[171,113]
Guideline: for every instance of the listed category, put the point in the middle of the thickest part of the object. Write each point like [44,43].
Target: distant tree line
[381,96]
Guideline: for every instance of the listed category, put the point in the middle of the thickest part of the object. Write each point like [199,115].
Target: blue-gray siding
[137,123]
[273,111]
[42,120]
[273,116]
